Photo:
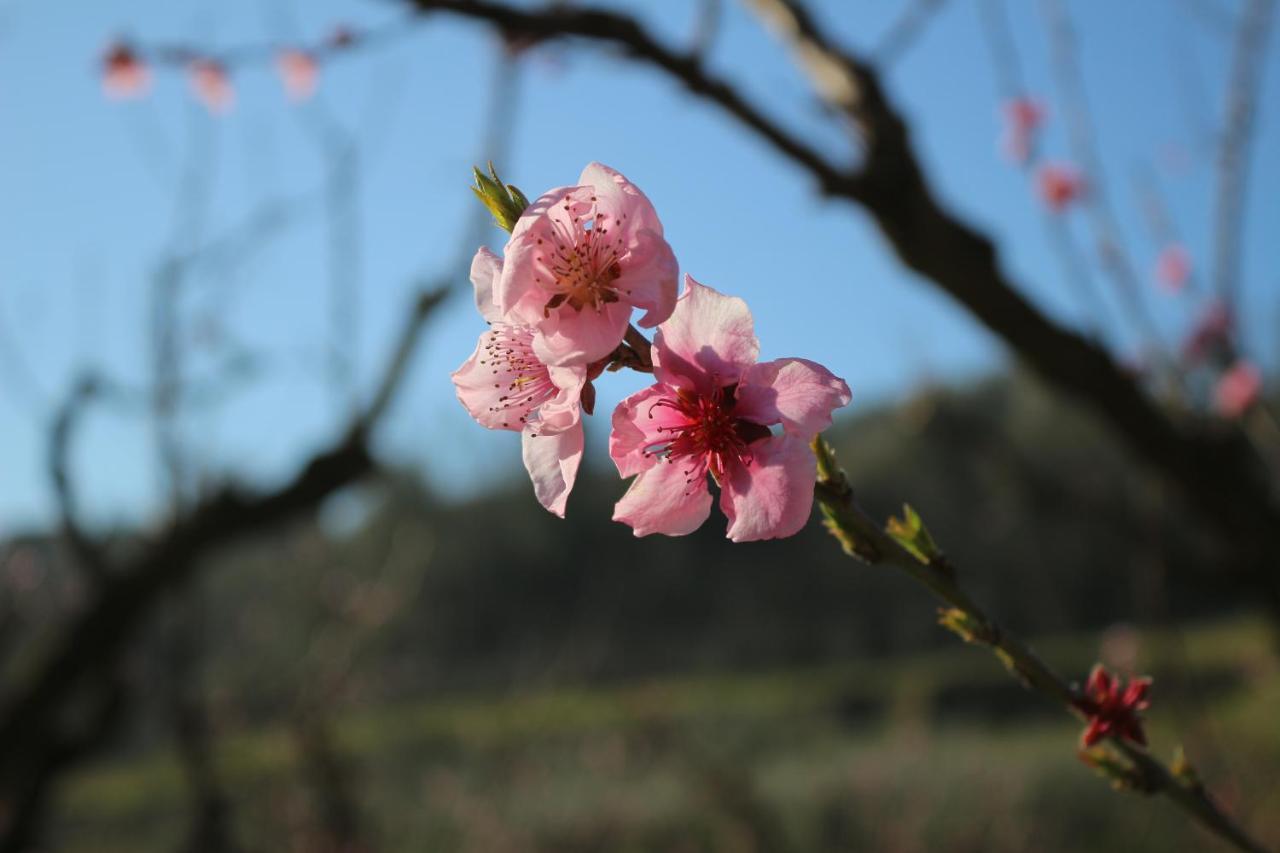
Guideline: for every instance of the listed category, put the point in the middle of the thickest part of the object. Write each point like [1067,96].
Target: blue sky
[90,190]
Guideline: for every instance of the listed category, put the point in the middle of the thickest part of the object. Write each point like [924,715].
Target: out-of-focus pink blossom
[1060,186]
[1113,709]
[578,261]
[211,85]
[124,74]
[1173,268]
[1023,118]
[710,412]
[1212,331]
[505,386]
[1238,388]
[299,72]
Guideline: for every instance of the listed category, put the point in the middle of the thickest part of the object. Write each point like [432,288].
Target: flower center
[525,381]
[583,260]
[707,434]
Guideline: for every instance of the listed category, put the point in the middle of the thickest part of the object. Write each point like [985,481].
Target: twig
[865,539]
[88,553]
[1236,145]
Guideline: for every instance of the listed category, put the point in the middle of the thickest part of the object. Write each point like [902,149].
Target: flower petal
[521,268]
[637,427]
[569,337]
[707,342]
[661,500]
[796,393]
[478,391]
[486,270]
[552,462]
[620,198]
[771,498]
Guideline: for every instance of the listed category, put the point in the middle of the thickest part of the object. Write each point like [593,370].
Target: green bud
[910,533]
[503,201]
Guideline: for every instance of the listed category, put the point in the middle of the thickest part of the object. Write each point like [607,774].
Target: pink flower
[1213,330]
[123,73]
[504,385]
[1059,186]
[710,413]
[1237,389]
[211,85]
[1173,268]
[1113,711]
[1023,118]
[579,259]
[299,72]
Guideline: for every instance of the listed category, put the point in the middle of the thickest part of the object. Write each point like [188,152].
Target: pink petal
[552,462]
[796,393]
[212,85]
[771,498]
[708,341]
[661,500]
[1237,389]
[578,337]
[486,269]
[479,391]
[520,271]
[649,277]
[619,197]
[636,427]
[299,71]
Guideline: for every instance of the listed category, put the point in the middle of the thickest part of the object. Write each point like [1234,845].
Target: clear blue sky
[89,193]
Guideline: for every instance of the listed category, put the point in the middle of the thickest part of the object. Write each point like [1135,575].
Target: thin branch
[1236,145]
[905,31]
[89,554]
[863,538]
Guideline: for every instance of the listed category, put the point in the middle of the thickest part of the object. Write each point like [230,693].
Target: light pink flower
[504,385]
[299,72]
[211,85]
[579,259]
[124,75]
[710,413]
[1237,390]
[1023,117]
[1059,186]
[1173,268]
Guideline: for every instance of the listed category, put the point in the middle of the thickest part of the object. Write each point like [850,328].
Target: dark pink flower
[1238,388]
[299,72]
[124,75]
[1023,118]
[710,412]
[211,85]
[579,260]
[1173,268]
[505,386]
[1059,186]
[1113,710]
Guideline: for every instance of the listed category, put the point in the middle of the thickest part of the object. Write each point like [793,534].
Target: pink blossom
[1173,268]
[504,385]
[1237,389]
[211,85]
[1023,117]
[124,75]
[1213,330]
[1112,709]
[579,259]
[709,413]
[299,73]
[1059,186]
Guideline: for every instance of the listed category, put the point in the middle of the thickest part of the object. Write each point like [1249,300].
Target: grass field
[940,752]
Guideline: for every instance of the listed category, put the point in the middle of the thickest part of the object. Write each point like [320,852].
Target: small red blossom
[212,85]
[124,75]
[1113,710]
[1173,268]
[299,72]
[1023,118]
[1059,186]
[1237,389]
